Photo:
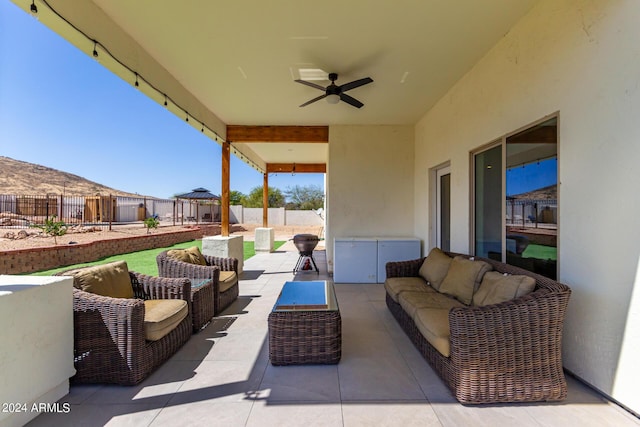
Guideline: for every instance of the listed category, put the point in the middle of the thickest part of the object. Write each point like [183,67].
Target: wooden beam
[226,163]
[265,200]
[238,133]
[297,167]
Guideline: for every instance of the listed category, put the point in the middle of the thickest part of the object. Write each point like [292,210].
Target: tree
[54,228]
[254,199]
[304,197]
[236,197]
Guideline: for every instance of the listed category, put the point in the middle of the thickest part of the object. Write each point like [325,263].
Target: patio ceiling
[234,62]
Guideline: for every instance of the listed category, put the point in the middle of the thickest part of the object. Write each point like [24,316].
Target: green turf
[145,261]
[540,252]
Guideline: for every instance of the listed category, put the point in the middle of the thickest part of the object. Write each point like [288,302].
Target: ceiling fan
[335,93]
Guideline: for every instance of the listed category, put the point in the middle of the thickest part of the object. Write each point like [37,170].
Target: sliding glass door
[517,222]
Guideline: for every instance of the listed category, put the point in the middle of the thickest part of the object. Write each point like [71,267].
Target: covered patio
[222,376]
[451,80]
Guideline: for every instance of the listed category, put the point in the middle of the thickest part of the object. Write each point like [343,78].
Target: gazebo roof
[199,193]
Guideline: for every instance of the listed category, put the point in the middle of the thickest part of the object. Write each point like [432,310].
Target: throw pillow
[435,267]
[496,288]
[191,255]
[463,278]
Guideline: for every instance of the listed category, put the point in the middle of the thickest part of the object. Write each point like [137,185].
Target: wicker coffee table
[202,302]
[305,325]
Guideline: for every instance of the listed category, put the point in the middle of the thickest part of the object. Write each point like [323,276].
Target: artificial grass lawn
[145,261]
[541,252]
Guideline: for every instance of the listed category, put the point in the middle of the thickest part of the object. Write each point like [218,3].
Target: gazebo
[199,195]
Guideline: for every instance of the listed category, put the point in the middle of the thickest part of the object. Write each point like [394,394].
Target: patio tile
[313,383]
[389,414]
[204,413]
[221,381]
[264,414]
[121,415]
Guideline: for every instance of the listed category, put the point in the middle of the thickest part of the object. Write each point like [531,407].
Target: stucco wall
[581,59]
[369,183]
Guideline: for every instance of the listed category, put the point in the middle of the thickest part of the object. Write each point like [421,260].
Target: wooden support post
[226,164]
[265,200]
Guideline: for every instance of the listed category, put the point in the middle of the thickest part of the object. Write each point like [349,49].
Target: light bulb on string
[95,50]
[136,83]
[165,100]
[33,7]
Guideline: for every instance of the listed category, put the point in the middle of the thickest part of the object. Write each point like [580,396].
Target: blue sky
[60,108]
[532,176]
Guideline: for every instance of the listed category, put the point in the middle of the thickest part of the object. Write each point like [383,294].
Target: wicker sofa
[190,263]
[117,339]
[504,352]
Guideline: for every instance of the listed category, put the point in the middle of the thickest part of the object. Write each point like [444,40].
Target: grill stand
[305,255]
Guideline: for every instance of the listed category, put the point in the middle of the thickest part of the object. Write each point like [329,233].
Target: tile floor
[222,376]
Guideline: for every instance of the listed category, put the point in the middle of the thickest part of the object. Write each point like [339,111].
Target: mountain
[22,178]
[544,193]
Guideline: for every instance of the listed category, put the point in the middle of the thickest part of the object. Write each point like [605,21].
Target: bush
[54,228]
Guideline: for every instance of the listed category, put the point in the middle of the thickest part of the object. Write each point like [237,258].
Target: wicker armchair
[109,333]
[225,286]
[506,352]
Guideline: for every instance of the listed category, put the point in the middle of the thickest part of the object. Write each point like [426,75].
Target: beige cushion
[191,255]
[497,287]
[464,278]
[412,301]
[109,280]
[395,285]
[227,280]
[161,316]
[435,267]
[433,324]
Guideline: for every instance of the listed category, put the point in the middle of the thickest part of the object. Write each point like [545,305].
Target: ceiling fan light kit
[334,93]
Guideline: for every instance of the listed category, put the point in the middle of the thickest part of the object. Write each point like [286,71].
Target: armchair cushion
[109,280]
[191,255]
[227,280]
[161,316]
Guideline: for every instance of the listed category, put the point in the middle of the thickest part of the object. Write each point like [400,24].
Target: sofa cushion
[191,255]
[395,285]
[435,267]
[227,280]
[433,324]
[497,287]
[412,301]
[161,316]
[463,278]
[109,280]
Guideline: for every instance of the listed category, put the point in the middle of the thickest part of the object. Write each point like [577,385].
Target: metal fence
[532,212]
[23,211]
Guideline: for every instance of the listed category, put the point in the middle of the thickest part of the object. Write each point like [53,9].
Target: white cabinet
[364,259]
[355,260]
[395,249]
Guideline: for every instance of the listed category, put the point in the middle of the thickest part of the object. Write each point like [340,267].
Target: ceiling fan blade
[350,100]
[314,100]
[313,85]
[356,83]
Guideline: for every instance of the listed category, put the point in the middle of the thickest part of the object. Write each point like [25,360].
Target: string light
[217,138]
